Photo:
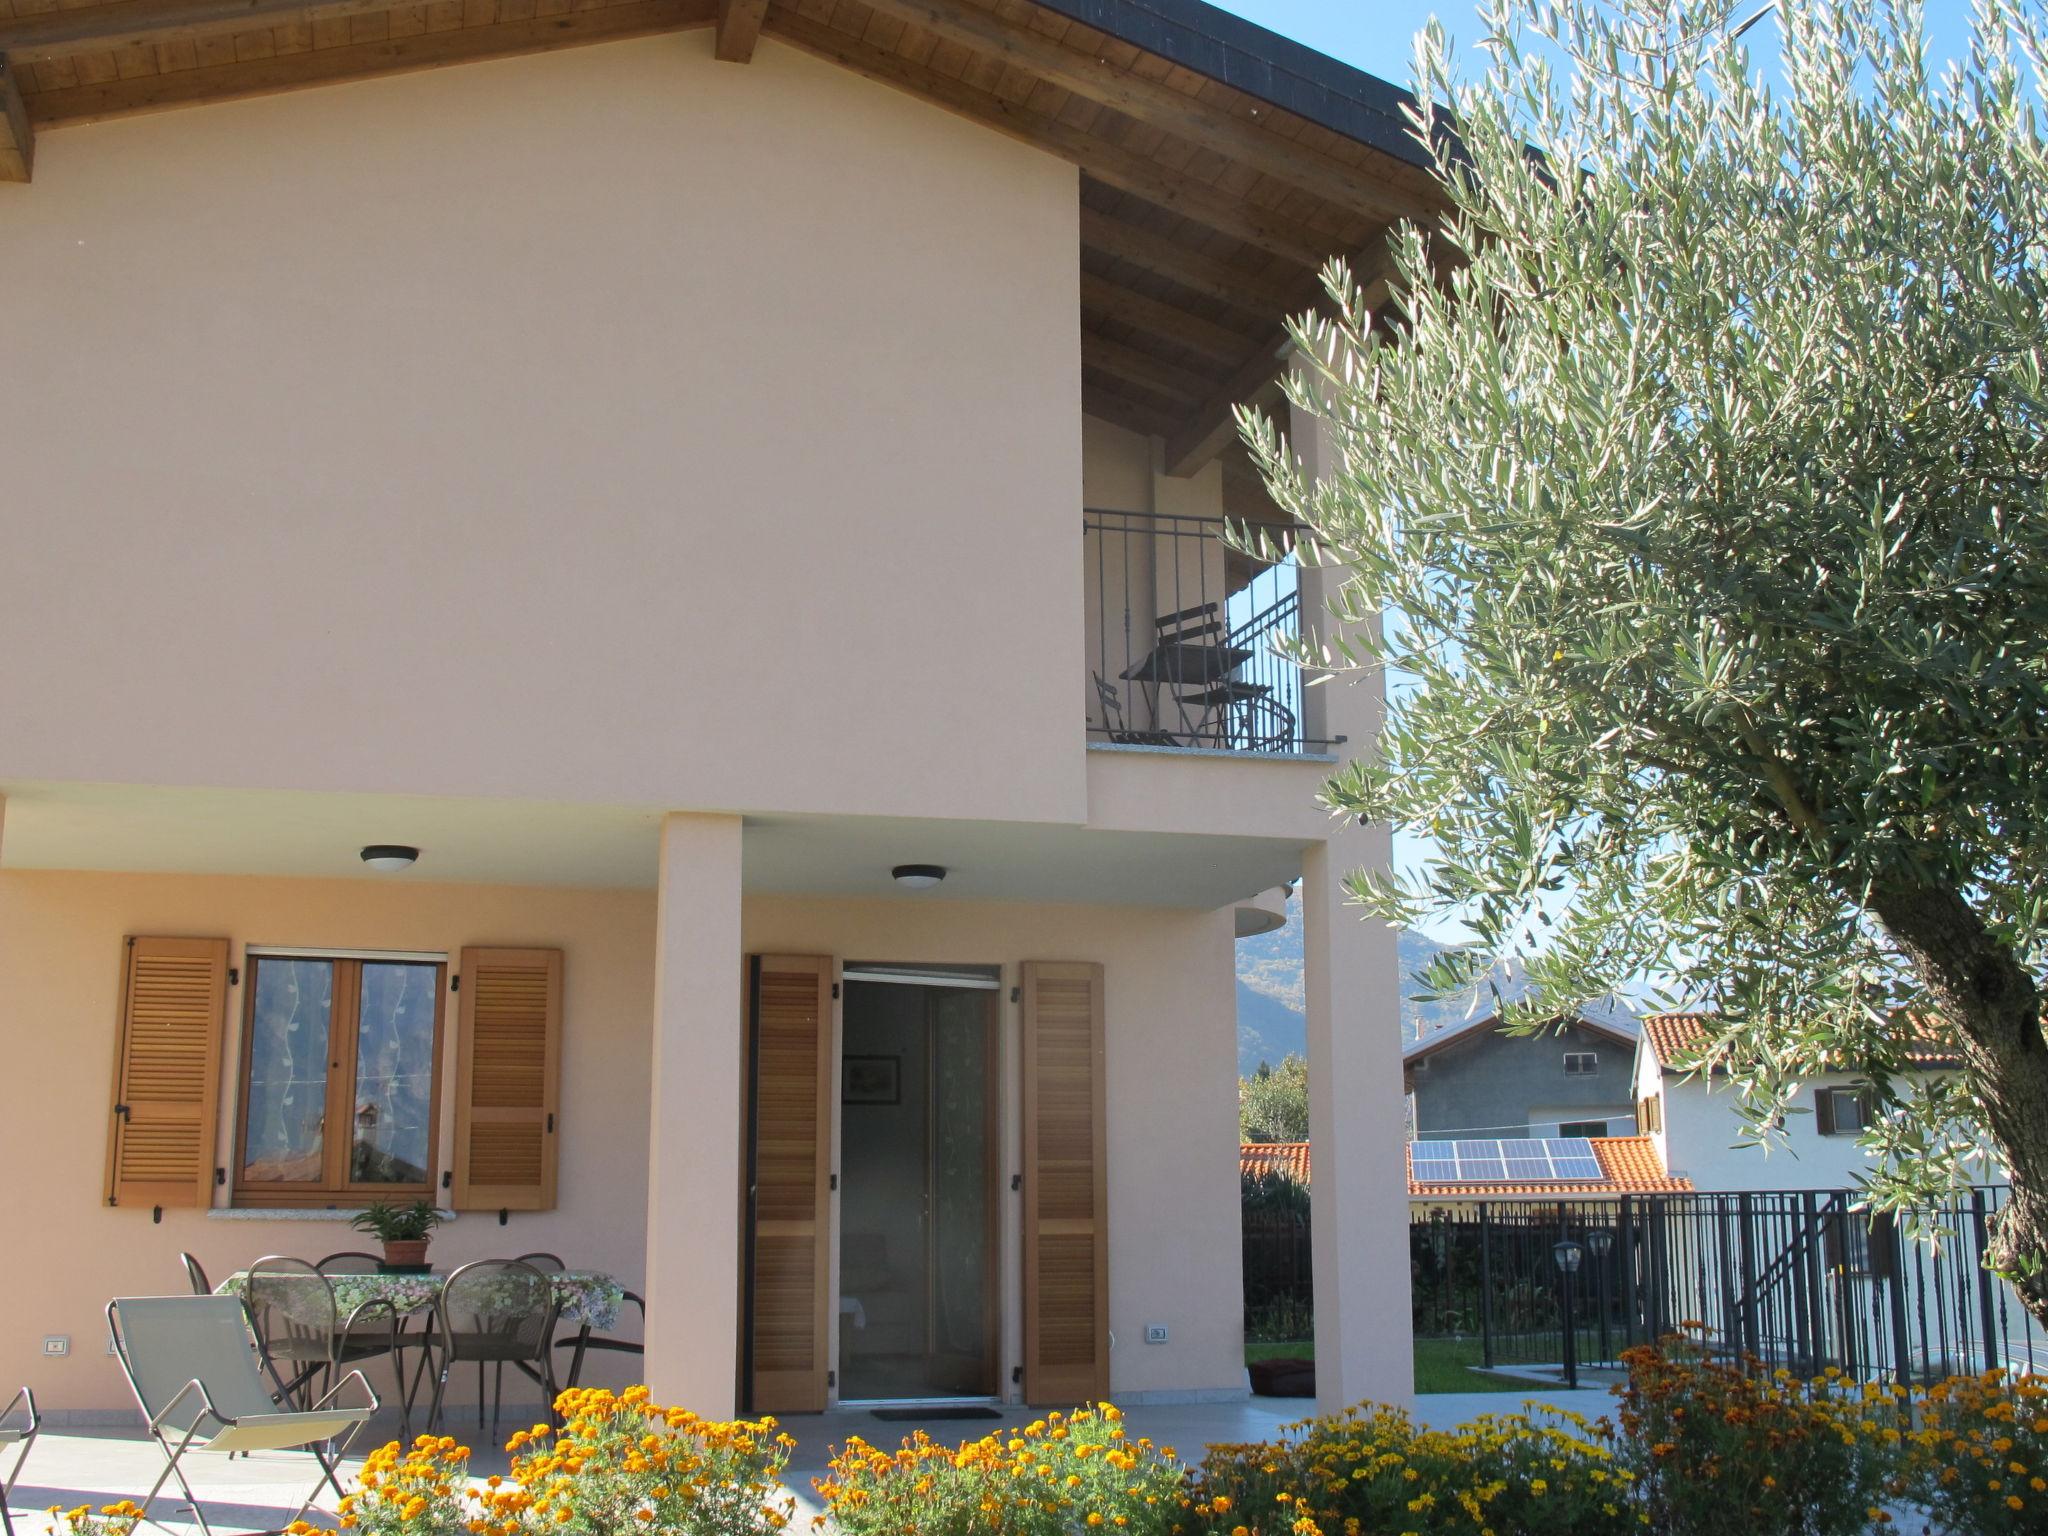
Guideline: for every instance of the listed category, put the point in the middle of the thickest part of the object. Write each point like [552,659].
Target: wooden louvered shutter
[1066,1186]
[789,1162]
[508,1071]
[167,1072]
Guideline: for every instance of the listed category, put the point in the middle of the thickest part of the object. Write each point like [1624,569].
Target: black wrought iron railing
[1182,637]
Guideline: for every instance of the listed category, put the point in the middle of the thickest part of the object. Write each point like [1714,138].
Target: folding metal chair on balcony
[20,1437]
[303,1336]
[198,1380]
[195,1275]
[1115,726]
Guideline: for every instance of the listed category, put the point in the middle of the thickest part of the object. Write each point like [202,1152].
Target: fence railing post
[1981,1231]
[1485,1288]
[1813,1320]
[1625,1241]
[1745,1216]
[1902,1341]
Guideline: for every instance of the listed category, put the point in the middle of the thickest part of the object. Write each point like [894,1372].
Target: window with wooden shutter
[507,1079]
[1066,1185]
[167,1072]
[788,1166]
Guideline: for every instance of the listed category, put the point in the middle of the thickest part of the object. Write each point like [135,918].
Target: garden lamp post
[1568,1253]
[1599,1242]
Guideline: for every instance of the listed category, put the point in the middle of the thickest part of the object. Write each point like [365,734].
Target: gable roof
[1221,165]
[1430,1044]
[1257,1159]
[1672,1037]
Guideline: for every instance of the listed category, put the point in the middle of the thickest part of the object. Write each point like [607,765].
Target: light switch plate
[1155,1333]
[57,1344]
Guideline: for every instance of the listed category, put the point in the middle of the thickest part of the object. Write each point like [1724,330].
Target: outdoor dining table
[588,1298]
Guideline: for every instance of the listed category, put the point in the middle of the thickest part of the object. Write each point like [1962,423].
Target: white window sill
[342,1214]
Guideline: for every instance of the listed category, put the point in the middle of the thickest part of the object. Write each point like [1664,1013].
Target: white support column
[1356,1114]
[693,1140]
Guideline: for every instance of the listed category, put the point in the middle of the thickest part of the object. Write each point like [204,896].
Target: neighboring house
[1694,1120]
[1628,1166]
[748,533]
[1478,1081]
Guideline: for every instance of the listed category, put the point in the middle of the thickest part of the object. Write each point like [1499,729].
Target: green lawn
[1441,1365]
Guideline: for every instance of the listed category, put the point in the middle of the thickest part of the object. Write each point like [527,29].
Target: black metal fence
[1799,1279]
[1181,637]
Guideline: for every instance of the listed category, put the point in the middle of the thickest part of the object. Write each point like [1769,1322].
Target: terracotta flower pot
[405,1254]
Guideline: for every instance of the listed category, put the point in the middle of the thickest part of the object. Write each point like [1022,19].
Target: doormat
[910,1415]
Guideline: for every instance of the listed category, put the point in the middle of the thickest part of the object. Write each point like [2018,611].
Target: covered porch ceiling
[1220,164]
[151,830]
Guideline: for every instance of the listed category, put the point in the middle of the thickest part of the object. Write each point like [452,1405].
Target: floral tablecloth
[588,1297]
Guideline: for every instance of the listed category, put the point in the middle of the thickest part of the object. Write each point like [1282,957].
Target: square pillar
[693,1140]
[1357,1111]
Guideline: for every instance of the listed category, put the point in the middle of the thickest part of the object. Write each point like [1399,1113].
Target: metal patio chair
[20,1436]
[195,1275]
[495,1312]
[546,1263]
[351,1264]
[303,1336]
[199,1383]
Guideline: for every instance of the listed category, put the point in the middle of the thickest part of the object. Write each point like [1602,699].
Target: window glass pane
[287,1099]
[394,1075]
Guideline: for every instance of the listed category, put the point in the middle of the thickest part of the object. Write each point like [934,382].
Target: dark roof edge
[1430,1044]
[1248,58]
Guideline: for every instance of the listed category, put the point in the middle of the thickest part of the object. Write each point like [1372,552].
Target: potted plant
[404,1230]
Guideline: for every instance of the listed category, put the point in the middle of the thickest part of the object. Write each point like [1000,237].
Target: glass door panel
[391,1141]
[289,1027]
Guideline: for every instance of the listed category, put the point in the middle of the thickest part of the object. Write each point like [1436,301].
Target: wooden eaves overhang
[1221,165]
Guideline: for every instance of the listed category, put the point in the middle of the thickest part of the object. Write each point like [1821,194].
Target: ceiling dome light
[390,856]
[918,877]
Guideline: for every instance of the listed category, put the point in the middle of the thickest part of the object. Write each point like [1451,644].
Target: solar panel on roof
[1514,1160]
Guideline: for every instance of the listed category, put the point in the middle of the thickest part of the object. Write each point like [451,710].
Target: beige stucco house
[670,484]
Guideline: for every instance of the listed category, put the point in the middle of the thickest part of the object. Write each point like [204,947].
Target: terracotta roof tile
[1631,1165]
[1255,1159]
[1674,1036]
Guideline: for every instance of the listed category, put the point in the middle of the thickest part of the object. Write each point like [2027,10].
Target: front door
[917,1213]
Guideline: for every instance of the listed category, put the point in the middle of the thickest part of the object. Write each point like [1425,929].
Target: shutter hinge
[220,1177]
[448,1178]
[121,1110]
[831,1378]
[835,1181]
[504,1217]
[234,975]
[156,1215]
[1017,1374]
[455,982]
[835,991]
[1017,1181]
[1016,994]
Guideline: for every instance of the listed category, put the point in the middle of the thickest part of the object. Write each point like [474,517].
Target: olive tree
[1698,475]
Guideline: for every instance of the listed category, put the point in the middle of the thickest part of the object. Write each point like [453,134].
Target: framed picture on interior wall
[873,1080]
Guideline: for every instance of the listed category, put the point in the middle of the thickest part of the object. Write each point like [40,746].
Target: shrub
[1371,1472]
[1057,1475]
[618,1464]
[1720,1449]
[1980,1458]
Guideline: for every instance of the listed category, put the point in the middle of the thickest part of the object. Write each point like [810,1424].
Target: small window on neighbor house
[1843,1111]
[1571,1128]
[1581,1063]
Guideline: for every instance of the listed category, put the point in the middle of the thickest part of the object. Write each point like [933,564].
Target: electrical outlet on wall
[57,1344]
[1155,1333]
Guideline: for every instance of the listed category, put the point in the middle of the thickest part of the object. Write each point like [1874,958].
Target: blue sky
[1379,36]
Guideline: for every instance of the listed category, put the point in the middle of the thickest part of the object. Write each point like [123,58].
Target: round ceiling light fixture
[390,856]
[918,877]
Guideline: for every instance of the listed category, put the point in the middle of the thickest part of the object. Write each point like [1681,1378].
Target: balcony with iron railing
[1183,635]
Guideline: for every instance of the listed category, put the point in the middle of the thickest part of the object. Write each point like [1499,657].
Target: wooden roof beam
[1155,104]
[1182,327]
[1107,163]
[1175,261]
[17,139]
[739,28]
[1156,375]
[1205,433]
[65,34]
